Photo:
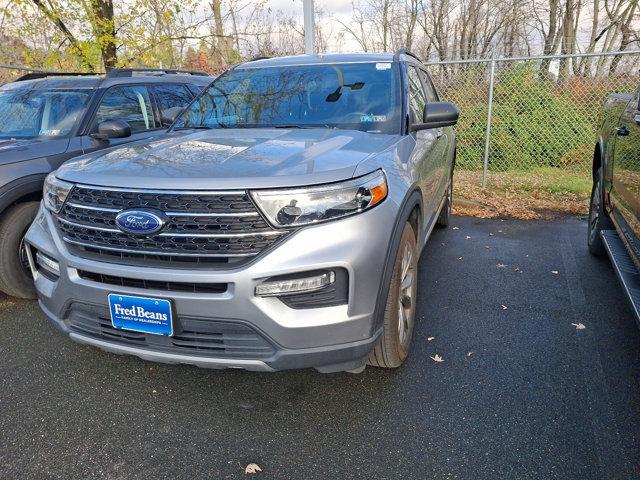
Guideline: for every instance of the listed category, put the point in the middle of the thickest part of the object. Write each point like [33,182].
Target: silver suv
[278,224]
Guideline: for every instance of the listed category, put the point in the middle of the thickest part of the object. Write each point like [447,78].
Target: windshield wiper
[301,126]
[194,127]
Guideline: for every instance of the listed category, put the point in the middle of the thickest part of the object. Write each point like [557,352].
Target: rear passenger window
[129,103]
[417,98]
[172,96]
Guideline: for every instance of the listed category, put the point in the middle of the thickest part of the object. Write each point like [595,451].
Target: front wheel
[15,275]
[400,311]
[598,218]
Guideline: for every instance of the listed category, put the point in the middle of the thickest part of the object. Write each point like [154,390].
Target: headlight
[303,206]
[55,192]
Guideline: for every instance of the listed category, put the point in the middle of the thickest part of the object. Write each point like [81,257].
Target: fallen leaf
[443,244]
[459,258]
[470,354]
[517,270]
[501,265]
[487,247]
[491,234]
[430,338]
[499,231]
[467,237]
[504,307]
[555,272]
[437,358]
[252,468]
[579,326]
[456,228]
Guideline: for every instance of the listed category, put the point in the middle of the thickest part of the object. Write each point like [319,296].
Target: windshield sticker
[373,118]
[383,66]
[50,132]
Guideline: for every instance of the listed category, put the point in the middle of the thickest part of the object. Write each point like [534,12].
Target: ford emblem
[141,222]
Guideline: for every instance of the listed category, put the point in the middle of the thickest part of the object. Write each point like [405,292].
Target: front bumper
[330,338]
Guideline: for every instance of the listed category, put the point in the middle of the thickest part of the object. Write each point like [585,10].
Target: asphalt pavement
[522,392]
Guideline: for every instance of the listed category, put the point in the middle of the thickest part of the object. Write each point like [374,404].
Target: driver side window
[129,103]
[417,99]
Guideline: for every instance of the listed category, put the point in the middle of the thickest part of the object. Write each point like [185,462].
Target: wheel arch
[26,189]
[410,211]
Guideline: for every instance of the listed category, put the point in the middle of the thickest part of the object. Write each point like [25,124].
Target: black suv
[49,117]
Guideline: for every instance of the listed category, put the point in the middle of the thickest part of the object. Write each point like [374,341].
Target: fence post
[487,140]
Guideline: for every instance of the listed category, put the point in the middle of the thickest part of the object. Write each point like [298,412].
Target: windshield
[361,96]
[28,113]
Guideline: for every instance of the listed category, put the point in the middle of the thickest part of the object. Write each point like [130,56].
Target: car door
[444,136]
[131,103]
[625,193]
[425,157]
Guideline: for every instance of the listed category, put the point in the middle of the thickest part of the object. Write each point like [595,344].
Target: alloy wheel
[406,297]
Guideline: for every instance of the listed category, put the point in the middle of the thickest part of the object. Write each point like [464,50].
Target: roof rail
[128,72]
[404,51]
[42,74]
[259,57]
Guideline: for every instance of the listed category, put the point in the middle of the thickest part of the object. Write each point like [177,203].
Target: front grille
[203,227]
[193,336]
[153,284]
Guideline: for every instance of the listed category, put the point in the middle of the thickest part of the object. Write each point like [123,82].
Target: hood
[21,149]
[229,159]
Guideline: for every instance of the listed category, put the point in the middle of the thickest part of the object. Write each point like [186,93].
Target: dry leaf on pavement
[504,307]
[470,354]
[555,272]
[430,338]
[579,326]
[437,358]
[456,228]
[252,468]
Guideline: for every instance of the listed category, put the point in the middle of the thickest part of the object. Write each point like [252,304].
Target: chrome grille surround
[204,226]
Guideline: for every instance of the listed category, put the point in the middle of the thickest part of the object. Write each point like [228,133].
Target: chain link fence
[532,114]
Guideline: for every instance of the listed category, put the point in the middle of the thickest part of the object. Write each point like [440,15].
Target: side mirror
[169,115]
[437,115]
[112,129]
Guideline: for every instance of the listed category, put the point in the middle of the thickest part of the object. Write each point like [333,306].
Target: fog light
[290,286]
[48,264]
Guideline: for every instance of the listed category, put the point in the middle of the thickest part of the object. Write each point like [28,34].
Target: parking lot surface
[521,393]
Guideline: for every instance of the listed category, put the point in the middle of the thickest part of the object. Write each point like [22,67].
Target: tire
[445,213]
[393,346]
[598,218]
[15,276]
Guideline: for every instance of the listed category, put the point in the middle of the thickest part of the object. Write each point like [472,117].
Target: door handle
[622,131]
[440,132]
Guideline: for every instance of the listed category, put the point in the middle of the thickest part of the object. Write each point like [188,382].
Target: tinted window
[129,103]
[362,96]
[417,99]
[172,96]
[40,113]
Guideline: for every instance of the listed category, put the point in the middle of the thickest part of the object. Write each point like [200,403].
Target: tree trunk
[105,31]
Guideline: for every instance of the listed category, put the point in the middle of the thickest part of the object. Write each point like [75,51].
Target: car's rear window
[362,96]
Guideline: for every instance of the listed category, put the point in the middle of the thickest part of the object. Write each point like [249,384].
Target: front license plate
[141,314]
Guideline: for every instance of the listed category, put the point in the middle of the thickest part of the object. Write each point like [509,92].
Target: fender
[411,200]
[20,188]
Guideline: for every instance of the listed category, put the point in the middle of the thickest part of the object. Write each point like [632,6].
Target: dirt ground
[518,196]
